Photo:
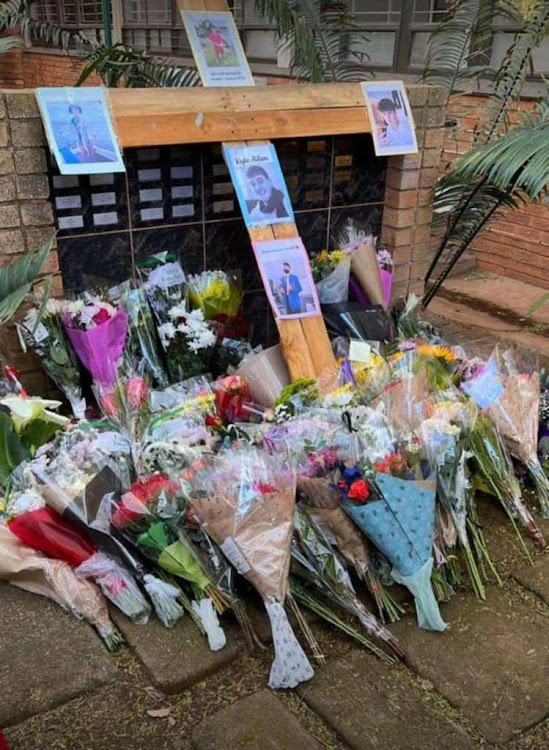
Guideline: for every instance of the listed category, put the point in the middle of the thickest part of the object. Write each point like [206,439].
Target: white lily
[25,409]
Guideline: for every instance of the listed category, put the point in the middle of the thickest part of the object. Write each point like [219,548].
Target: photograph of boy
[268,200]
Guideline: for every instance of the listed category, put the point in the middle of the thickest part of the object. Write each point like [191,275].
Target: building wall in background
[516,244]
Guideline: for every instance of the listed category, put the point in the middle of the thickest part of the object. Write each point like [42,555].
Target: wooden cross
[305,342]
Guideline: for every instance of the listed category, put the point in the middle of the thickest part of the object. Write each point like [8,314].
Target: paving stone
[371,707]
[259,722]
[536,577]
[177,657]
[22,104]
[492,663]
[30,161]
[47,656]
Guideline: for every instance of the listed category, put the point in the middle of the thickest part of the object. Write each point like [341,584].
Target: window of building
[72,15]
[396,32]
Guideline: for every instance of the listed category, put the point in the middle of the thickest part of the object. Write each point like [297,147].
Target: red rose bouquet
[45,530]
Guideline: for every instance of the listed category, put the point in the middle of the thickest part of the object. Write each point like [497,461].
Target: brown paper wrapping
[323,503]
[267,374]
[262,536]
[365,267]
[515,414]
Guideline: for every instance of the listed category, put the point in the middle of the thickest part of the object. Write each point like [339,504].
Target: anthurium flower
[24,410]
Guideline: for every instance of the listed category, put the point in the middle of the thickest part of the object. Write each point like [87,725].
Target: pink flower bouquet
[97,331]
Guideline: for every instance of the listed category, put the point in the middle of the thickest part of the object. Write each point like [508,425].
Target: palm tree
[508,165]
[321,36]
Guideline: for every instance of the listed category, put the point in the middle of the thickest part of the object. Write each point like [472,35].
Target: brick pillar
[409,192]
[11,69]
[26,215]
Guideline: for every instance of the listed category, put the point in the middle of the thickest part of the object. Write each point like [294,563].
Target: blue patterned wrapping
[401,524]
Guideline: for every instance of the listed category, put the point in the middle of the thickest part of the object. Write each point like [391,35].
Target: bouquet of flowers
[317,564]
[215,293]
[516,415]
[447,452]
[147,514]
[143,342]
[28,569]
[45,530]
[331,271]
[245,501]
[386,263]
[396,511]
[126,407]
[494,465]
[46,337]
[165,285]
[188,341]
[316,481]
[97,330]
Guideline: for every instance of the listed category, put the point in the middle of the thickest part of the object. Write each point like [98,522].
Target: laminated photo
[79,129]
[287,278]
[259,184]
[217,48]
[393,128]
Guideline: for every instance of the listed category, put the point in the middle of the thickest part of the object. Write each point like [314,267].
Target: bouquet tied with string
[245,501]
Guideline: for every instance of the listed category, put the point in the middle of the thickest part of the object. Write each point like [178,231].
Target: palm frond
[120,65]
[459,48]
[323,39]
[513,72]
[17,278]
[473,220]
[517,161]
[8,43]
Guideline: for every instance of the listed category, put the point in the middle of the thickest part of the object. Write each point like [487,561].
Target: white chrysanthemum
[166,332]
[178,311]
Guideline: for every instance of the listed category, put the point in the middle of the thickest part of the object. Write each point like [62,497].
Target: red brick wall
[517,243]
[30,69]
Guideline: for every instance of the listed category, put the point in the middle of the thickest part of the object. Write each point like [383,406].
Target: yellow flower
[322,256]
[396,357]
[440,352]
[336,256]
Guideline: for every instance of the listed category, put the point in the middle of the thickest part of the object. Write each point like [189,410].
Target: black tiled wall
[180,198]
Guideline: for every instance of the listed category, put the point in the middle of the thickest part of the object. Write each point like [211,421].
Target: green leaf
[38,432]
[17,278]
[12,448]
[538,303]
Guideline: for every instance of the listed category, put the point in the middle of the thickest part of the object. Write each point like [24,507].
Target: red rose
[215,422]
[232,326]
[359,491]
[136,392]
[102,316]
